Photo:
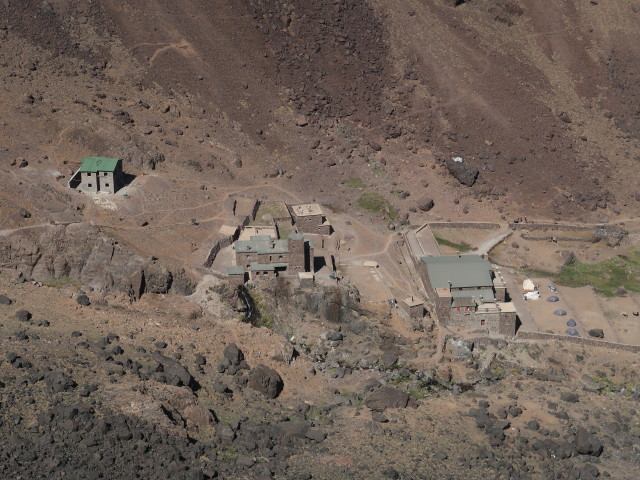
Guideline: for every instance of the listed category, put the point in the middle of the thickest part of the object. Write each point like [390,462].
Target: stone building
[263,255]
[413,306]
[310,219]
[237,276]
[99,175]
[467,294]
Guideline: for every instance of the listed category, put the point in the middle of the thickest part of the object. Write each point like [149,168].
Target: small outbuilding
[98,175]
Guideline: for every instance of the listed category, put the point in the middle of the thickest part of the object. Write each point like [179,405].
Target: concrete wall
[107,182]
[89,182]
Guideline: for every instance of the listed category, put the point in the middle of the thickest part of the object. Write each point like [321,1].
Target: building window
[106,184]
[89,185]
[482,323]
[88,174]
[104,174]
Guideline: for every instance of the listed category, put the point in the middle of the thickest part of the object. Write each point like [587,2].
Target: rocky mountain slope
[120,359]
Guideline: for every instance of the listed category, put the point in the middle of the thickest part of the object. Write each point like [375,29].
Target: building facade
[101,175]
[263,255]
[467,294]
[310,219]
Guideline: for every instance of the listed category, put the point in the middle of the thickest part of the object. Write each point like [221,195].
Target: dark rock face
[587,444]
[4,300]
[266,381]
[157,279]
[387,397]
[464,172]
[83,253]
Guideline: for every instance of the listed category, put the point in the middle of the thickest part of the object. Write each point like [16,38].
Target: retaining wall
[588,342]
[547,238]
[481,225]
[551,226]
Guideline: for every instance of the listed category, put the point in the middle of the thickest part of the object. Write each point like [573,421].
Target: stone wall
[550,226]
[507,324]
[548,238]
[215,249]
[309,223]
[221,243]
[481,225]
[589,342]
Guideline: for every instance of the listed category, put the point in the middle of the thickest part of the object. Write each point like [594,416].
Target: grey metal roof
[235,270]
[262,244]
[463,271]
[471,298]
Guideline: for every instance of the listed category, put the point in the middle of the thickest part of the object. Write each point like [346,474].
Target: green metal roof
[463,271]
[99,164]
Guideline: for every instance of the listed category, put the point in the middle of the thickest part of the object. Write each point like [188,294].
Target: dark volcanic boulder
[232,353]
[4,300]
[83,300]
[387,397]
[59,382]
[23,315]
[266,381]
[425,204]
[596,332]
[587,444]
[174,373]
[464,172]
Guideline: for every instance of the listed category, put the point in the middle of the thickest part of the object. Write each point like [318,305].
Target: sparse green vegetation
[284,229]
[62,282]
[605,277]
[462,247]
[263,318]
[355,183]
[268,211]
[376,203]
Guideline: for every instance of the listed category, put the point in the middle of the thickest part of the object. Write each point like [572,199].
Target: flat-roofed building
[292,255]
[309,218]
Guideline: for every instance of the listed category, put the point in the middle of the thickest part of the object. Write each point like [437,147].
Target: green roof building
[98,175]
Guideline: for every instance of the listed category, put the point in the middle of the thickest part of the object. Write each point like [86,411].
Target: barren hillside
[123,356]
